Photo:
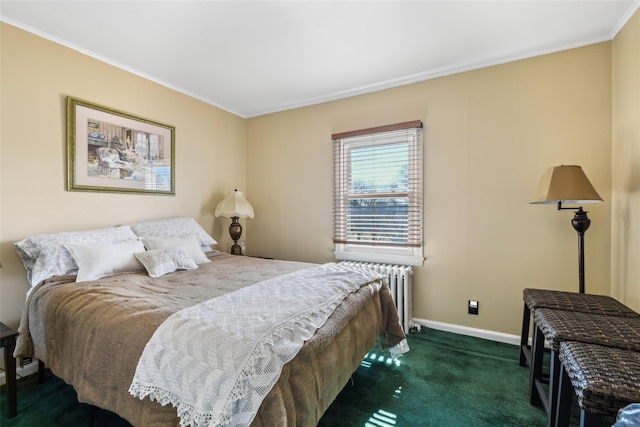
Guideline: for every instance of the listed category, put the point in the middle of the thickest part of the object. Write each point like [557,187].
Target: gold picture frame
[116,152]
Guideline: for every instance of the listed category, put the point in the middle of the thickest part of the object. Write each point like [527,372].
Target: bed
[94,334]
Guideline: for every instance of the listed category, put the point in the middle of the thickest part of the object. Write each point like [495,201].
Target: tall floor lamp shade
[235,206]
[568,184]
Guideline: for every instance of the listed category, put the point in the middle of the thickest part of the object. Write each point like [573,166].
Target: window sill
[414,261]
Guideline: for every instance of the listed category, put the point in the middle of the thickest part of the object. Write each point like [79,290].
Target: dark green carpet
[445,380]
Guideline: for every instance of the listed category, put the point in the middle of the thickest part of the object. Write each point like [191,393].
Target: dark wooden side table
[8,342]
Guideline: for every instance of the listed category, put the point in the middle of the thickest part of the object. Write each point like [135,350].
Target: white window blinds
[378,186]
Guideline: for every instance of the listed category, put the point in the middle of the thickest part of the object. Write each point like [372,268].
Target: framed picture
[112,151]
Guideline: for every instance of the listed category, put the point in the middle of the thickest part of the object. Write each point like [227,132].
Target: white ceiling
[256,57]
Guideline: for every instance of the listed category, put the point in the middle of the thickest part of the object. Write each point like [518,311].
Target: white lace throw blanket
[216,361]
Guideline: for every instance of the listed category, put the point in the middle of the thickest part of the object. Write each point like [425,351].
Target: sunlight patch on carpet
[371,356]
[381,418]
[397,392]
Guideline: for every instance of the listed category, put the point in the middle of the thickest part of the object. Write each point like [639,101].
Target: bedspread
[91,334]
[217,360]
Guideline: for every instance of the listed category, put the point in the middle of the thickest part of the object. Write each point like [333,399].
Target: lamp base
[235,231]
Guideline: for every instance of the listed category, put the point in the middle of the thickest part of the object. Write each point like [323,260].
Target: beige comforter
[91,334]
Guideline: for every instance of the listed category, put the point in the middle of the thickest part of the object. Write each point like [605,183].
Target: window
[378,194]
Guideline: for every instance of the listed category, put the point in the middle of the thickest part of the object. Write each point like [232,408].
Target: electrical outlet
[473,306]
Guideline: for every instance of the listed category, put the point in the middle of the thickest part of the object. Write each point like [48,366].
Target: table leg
[10,377]
[40,372]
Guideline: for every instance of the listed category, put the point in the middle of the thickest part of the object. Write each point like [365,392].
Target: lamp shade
[234,205]
[565,184]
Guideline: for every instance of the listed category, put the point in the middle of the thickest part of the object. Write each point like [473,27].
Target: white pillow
[45,256]
[189,243]
[159,262]
[174,227]
[96,261]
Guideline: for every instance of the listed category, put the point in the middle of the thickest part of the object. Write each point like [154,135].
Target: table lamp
[235,206]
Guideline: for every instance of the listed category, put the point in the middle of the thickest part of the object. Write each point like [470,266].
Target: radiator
[399,279]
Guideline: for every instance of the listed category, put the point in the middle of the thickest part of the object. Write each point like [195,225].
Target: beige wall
[489,134]
[625,229]
[36,77]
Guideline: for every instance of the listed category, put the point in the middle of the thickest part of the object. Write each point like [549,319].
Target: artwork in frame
[113,151]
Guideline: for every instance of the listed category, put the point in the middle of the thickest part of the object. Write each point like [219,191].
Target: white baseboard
[473,332]
[25,371]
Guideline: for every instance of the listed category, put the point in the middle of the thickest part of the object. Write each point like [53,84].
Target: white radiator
[399,278]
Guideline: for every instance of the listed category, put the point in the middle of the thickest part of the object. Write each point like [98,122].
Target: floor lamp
[569,185]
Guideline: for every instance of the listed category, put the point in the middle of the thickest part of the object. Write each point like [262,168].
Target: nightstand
[8,342]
